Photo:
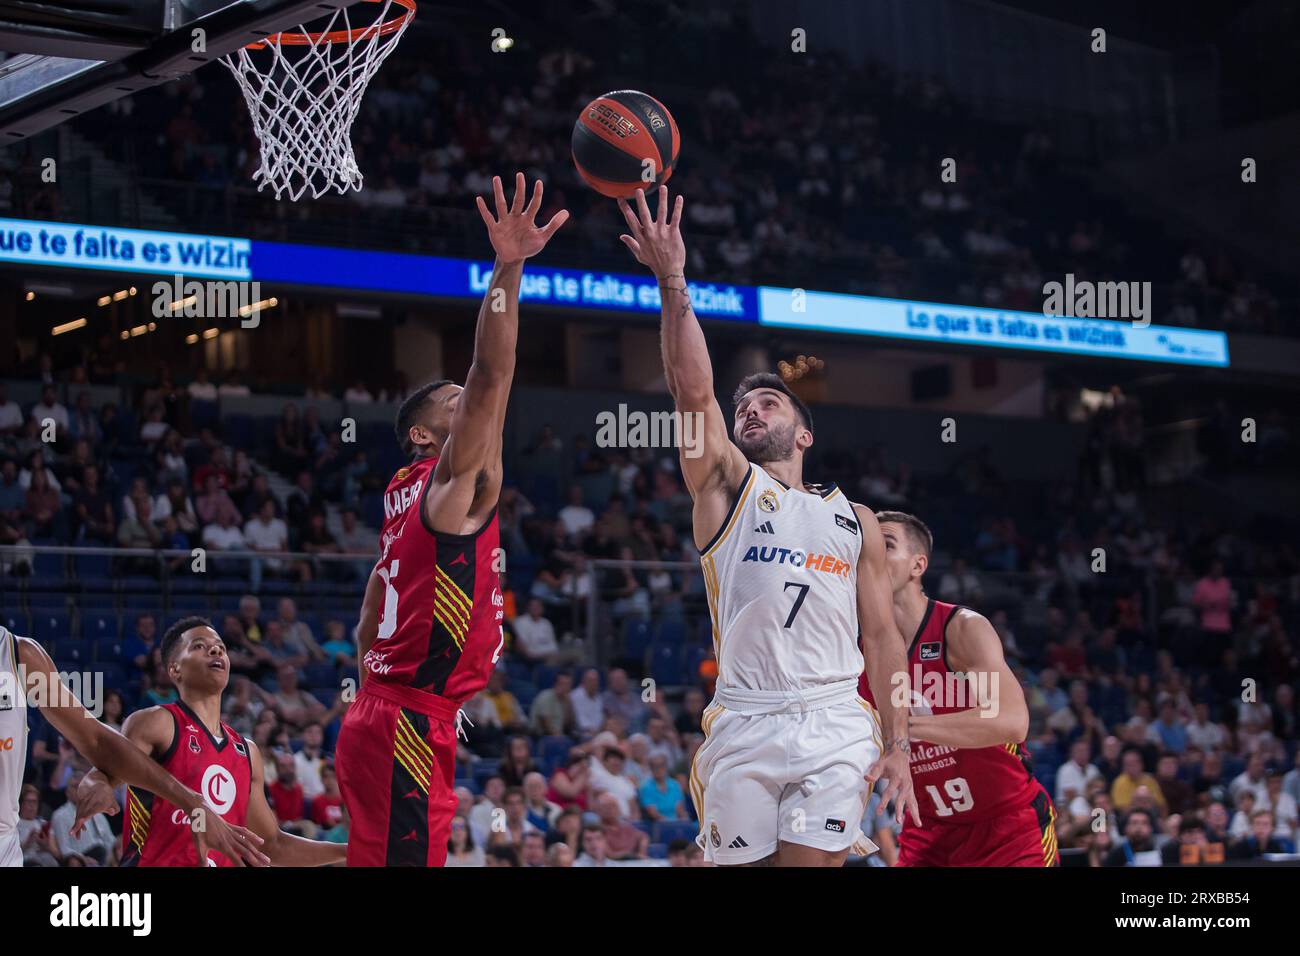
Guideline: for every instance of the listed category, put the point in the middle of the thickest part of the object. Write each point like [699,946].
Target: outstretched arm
[714,467]
[474,443]
[284,849]
[999,715]
[886,664]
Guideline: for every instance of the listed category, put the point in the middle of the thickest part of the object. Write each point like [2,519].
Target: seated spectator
[536,639]
[266,533]
[509,713]
[138,529]
[1134,775]
[541,811]
[1073,776]
[593,846]
[139,647]
[1259,841]
[297,632]
[1178,794]
[49,408]
[552,711]
[484,813]
[661,796]
[515,823]
[663,740]
[225,535]
[337,648]
[285,795]
[1193,846]
[43,507]
[570,784]
[1138,847]
[621,699]
[95,841]
[518,761]
[461,849]
[559,855]
[623,841]
[295,707]
[35,834]
[588,704]
[93,511]
[309,762]
[214,504]
[176,504]
[609,775]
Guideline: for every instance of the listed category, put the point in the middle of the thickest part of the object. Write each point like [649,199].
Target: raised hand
[514,235]
[656,242]
[92,797]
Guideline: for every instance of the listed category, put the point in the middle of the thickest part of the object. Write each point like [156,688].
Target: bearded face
[761,442]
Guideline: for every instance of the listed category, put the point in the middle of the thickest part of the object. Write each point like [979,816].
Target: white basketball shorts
[796,775]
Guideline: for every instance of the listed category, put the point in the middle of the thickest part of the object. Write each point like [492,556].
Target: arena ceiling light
[69,326]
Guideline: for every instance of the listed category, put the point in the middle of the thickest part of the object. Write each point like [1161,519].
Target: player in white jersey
[27,675]
[793,573]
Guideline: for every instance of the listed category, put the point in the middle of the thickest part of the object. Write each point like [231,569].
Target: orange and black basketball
[624,141]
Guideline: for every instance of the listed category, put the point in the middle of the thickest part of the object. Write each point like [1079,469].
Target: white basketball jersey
[13,732]
[781,577]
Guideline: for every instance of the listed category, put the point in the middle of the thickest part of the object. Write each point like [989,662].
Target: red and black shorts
[395,761]
[1023,837]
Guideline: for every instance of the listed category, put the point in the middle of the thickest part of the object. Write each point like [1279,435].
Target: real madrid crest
[769,502]
[713,835]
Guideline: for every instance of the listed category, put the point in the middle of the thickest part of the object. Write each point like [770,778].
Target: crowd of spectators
[1161,685]
[151,477]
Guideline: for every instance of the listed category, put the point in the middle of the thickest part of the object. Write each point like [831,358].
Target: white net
[303,92]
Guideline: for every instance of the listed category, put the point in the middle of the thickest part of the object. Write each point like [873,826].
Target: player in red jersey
[430,627]
[190,741]
[980,804]
[29,679]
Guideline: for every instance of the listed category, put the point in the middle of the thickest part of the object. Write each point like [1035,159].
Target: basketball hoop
[303,90]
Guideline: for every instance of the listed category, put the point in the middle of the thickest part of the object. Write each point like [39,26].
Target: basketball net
[303,91]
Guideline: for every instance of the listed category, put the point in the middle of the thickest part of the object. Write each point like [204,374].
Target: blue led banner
[33,243]
[971,325]
[466,278]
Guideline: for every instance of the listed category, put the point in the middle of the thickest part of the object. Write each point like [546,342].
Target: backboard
[60,58]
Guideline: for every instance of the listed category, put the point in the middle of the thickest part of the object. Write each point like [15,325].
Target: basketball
[621,139]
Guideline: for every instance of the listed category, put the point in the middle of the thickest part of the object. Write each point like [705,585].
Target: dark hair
[173,635]
[469,833]
[506,854]
[776,383]
[916,530]
[410,411]
[1138,811]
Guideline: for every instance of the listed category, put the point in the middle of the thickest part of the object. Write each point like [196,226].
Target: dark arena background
[1032,266]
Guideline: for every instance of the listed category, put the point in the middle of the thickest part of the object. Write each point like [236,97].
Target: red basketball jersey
[157,832]
[956,785]
[440,623]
